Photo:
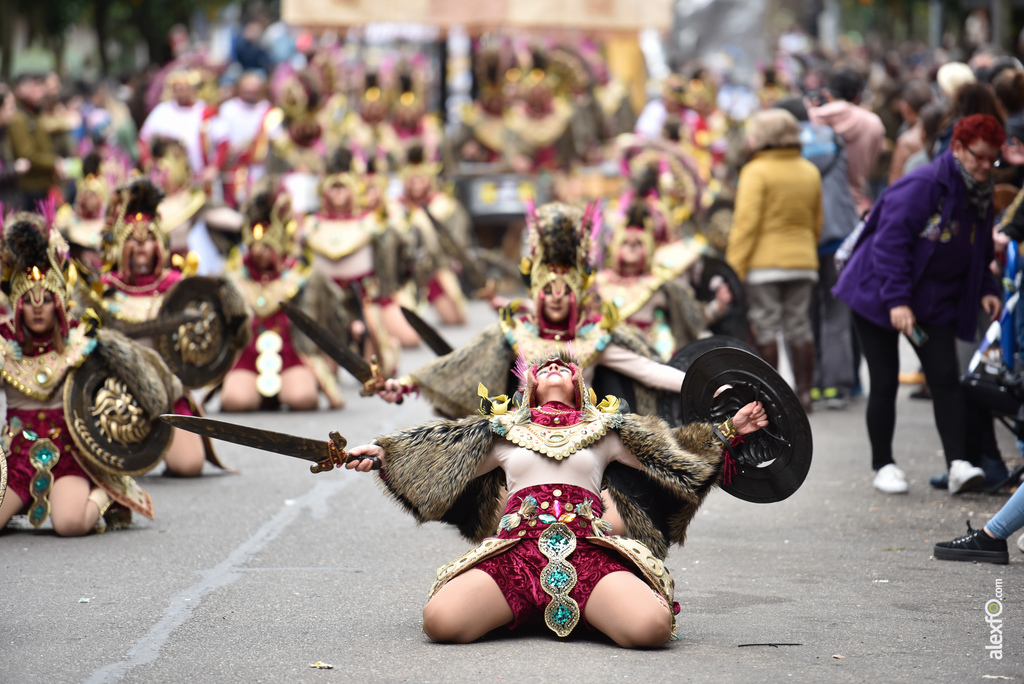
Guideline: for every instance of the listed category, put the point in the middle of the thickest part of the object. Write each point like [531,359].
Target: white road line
[230,569]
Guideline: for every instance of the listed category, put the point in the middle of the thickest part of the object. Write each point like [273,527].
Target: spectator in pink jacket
[862,130]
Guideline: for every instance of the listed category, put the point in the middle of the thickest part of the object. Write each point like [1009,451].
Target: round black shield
[109,427]
[771,463]
[200,353]
[713,271]
[670,406]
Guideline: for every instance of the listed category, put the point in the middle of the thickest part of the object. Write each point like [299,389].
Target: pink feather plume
[47,208]
[520,369]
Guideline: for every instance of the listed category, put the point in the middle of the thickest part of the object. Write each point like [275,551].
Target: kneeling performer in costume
[62,461]
[553,556]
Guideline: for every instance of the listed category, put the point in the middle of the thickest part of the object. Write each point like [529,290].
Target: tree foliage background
[124,22]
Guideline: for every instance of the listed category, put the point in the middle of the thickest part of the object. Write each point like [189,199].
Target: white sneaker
[964,476]
[891,480]
[1020,543]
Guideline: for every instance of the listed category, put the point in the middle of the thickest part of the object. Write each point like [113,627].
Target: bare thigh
[398,327]
[71,512]
[625,608]
[299,390]
[449,311]
[466,608]
[239,393]
[10,507]
[186,456]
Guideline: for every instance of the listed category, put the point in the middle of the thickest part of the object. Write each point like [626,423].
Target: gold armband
[726,432]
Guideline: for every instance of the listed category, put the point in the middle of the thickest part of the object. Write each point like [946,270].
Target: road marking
[335,568]
[230,569]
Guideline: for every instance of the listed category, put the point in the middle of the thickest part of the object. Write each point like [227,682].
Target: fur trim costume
[35,370]
[549,534]
[431,472]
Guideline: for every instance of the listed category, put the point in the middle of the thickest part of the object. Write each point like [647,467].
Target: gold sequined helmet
[409,102]
[171,169]
[700,92]
[35,260]
[137,219]
[91,184]
[344,167]
[300,96]
[374,100]
[636,220]
[417,164]
[269,221]
[560,243]
[491,72]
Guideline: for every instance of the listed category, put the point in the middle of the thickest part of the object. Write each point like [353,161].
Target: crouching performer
[553,557]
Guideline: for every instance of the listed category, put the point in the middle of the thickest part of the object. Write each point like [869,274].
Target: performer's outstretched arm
[647,372]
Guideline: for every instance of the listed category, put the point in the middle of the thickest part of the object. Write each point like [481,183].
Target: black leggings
[938,357]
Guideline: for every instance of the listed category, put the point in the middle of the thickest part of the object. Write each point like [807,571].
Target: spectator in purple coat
[922,266]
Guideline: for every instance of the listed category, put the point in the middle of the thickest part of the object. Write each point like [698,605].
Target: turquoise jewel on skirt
[30,435]
[558,578]
[562,615]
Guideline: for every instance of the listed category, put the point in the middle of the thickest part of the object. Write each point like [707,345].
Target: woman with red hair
[920,267]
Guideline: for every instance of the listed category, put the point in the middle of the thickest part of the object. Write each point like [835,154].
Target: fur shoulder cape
[431,472]
[450,382]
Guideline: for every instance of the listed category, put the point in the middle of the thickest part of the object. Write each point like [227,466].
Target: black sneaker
[973,546]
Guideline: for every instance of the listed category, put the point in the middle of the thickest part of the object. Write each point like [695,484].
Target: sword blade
[265,440]
[158,326]
[427,333]
[474,275]
[345,357]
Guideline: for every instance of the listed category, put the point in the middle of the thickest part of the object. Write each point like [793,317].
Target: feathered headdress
[171,168]
[410,90]
[560,244]
[343,167]
[34,257]
[268,221]
[138,219]
[417,164]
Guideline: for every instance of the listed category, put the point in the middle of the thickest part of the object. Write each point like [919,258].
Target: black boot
[802,356]
[770,353]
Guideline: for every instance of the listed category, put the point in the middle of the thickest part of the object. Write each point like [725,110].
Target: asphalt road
[253,577]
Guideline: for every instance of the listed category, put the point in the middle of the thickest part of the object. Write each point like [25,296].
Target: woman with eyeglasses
[921,268]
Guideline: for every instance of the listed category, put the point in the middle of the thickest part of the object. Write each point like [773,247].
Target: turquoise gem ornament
[43,456]
[558,578]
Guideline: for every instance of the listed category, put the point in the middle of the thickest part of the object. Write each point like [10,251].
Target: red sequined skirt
[518,570]
[38,424]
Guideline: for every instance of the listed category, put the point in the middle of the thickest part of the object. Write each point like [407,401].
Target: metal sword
[325,455]
[437,344]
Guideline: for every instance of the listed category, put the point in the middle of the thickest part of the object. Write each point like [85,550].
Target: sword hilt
[375,383]
[337,458]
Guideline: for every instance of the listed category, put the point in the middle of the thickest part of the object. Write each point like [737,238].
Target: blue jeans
[1010,517]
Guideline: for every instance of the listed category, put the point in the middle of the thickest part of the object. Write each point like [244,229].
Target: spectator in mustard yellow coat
[773,245]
